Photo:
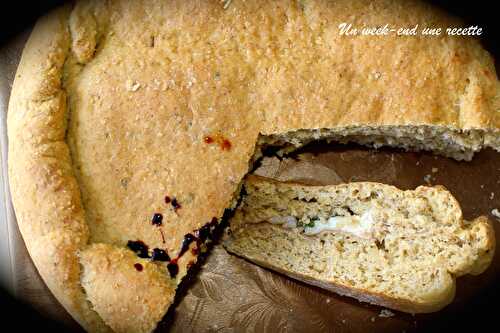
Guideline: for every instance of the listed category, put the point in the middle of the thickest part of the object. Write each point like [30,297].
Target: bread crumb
[376,75]
[384,313]
[434,170]
[131,85]
[343,321]
[372,319]
[328,300]
[482,185]
[427,179]
[496,213]
[492,195]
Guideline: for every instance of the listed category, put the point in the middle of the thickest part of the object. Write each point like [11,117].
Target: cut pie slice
[371,241]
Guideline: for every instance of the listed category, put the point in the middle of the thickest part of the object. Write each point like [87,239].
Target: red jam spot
[157,219]
[173,268]
[204,232]
[139,248]
[176,204]
[200,236]
[225,144]
[138,267]
[188,239]
[162,236]
[160,255]
[167,199]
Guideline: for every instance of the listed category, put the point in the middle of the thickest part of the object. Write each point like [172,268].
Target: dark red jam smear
[223,143]
[162,236]
[138,267]
[173,268]
[176,204]
[188,239]
[157,219]
[160,255]
[204,232]
[199,236]
[139,248]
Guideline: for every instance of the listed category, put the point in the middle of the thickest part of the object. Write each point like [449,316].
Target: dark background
[18,16]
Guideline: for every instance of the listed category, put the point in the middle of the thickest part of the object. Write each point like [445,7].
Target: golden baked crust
[44,190]
[115,105]
[108,269]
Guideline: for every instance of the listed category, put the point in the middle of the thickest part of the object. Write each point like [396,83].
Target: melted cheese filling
[357,225]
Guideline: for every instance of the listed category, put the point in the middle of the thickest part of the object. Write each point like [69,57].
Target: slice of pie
[132,123]
[399,249]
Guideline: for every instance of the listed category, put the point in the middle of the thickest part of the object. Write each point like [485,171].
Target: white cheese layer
[353,224]
[358,226]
